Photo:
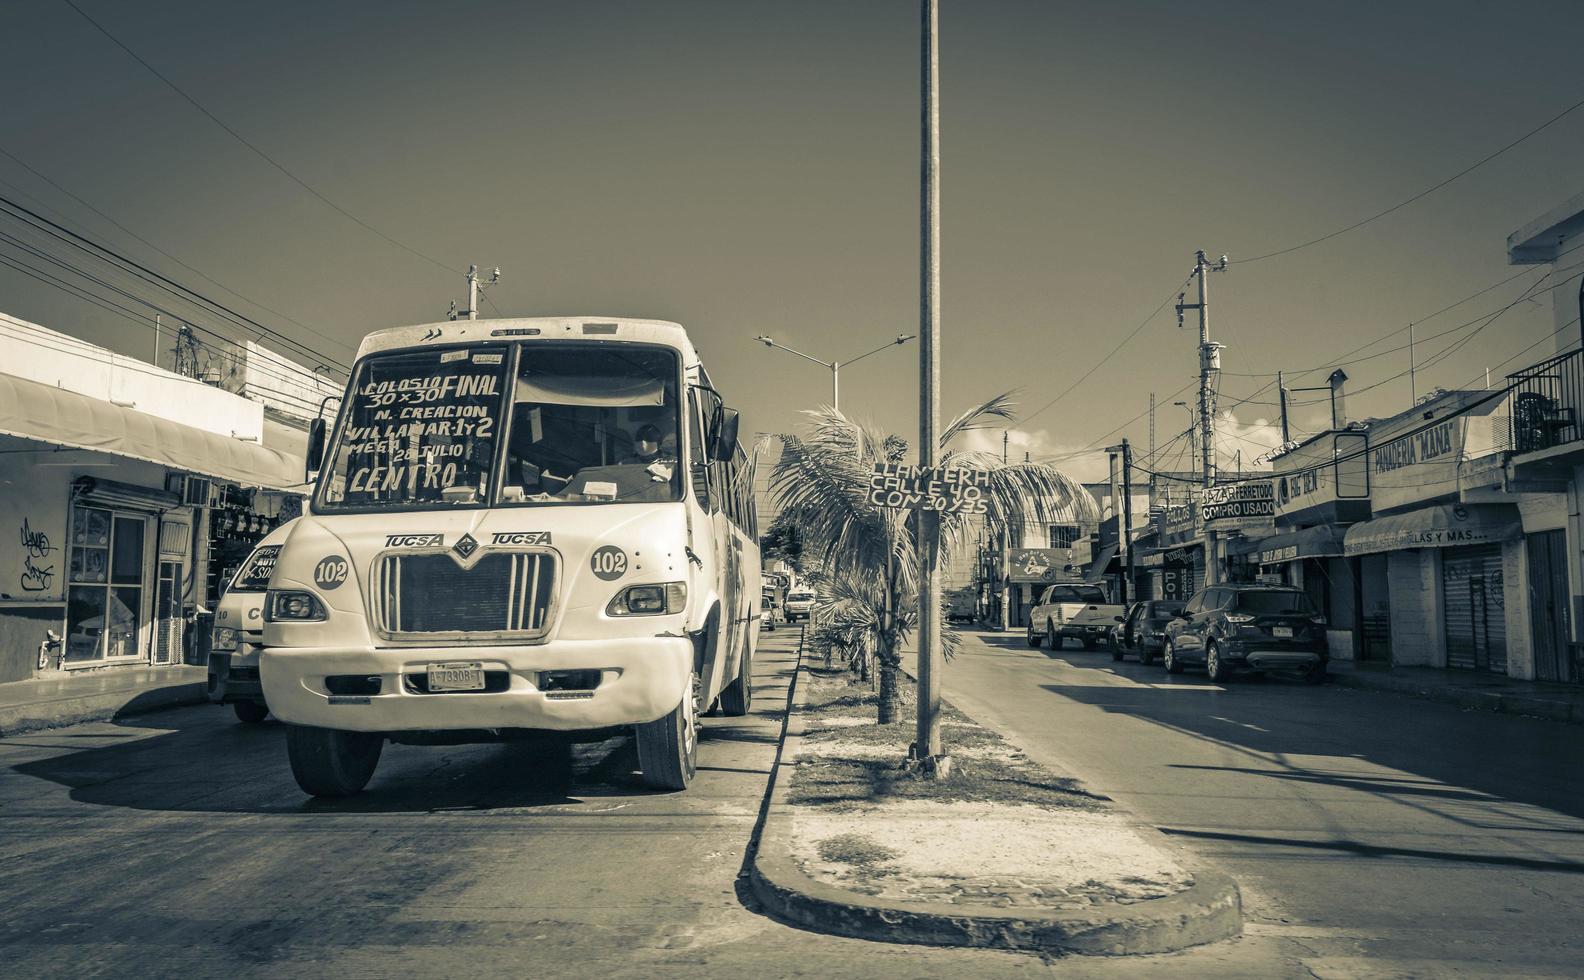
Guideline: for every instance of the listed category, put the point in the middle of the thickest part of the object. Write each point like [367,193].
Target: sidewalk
[72,698]
[1467,689]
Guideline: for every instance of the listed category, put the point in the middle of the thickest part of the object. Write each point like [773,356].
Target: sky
[747,167]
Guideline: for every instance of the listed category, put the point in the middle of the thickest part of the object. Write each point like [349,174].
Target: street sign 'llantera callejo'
[904,487]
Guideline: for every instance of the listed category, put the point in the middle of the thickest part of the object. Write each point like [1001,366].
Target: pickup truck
[1077,611]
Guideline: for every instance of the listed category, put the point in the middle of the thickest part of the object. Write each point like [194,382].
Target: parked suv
[1242,628]
[1144,630]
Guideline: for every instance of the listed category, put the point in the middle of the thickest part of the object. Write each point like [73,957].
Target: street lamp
[835,366]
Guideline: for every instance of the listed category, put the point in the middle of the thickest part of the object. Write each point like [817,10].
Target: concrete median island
[1002,853]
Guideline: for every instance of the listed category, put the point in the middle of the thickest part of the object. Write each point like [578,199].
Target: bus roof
[531,328]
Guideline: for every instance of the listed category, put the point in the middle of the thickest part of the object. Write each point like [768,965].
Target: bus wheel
[250,712]
[738,696]
[328,762]
[668,747]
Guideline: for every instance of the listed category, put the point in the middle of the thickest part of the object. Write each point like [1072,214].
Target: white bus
[518,526]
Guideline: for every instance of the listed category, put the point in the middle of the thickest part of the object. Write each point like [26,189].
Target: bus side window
[698,459]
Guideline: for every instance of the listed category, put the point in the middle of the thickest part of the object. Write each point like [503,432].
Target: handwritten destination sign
[424,427]
[903,487]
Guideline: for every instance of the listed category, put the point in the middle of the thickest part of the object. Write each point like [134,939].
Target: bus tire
[668,747]
[250,712]
[737,698]
[330,763]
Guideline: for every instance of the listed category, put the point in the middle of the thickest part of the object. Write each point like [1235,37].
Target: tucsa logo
[414,540]
[521,537]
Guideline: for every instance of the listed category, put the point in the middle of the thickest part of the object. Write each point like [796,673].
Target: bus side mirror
[316,444]
[725,434]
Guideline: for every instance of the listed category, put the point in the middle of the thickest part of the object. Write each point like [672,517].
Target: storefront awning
[1324,541]
[30,410]
[1445,526]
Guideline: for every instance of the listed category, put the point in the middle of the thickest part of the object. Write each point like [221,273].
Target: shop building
[121,486]
[1546,411]
[1321,488]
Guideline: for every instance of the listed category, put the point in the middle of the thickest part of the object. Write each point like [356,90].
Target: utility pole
[475,289]
[1281,396]
[1124,513]
[1154,463]
[1209,368]
[1413,382]
[927,743]
[1127,516]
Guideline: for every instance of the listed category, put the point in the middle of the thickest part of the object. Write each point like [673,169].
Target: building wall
[37,353]
[35,504]
[1515,607]
[1414,581]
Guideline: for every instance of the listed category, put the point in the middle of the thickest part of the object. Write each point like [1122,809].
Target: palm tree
[869,554]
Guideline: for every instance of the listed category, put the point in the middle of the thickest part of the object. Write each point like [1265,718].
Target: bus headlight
[223,639]
[649,600]
[292,606]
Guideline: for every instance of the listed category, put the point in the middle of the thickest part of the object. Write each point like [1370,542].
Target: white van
[239,632]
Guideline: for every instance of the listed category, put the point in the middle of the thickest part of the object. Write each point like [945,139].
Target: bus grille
[504,593]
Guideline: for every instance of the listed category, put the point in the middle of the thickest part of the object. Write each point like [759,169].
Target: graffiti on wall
[36,549]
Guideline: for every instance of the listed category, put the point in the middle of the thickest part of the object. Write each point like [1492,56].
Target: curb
[1497,701]
[103,706]
[1209,911]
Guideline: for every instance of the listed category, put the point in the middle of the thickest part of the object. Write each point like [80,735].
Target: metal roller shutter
[1472,606]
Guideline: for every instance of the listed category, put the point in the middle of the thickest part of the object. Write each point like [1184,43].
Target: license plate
[1284,632]
[456,677]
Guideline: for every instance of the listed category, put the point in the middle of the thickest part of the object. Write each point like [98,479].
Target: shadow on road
[1461,765]
[243,769]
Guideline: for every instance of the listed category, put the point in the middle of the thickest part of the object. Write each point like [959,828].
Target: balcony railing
[1547,399]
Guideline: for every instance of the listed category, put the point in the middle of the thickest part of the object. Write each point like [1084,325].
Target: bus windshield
[568,423]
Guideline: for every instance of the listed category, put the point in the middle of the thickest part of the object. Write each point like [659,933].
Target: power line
[243,140]
[1422,194]
[1384,336]
[185,293]
[125,230]
[1123,343]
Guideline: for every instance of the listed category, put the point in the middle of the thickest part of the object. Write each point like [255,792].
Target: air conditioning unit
[195,491]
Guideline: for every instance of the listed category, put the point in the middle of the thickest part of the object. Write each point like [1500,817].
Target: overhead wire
[1419,196]
[143,320]
[129,232]
[250,145]
[1176,290]
[185,293]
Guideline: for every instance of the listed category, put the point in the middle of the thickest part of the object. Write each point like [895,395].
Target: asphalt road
[177,844]
[1372,834]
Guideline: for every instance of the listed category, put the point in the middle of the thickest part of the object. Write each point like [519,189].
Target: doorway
[1548,606]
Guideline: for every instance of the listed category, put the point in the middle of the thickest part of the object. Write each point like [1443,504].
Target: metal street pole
[1127,517]
[927,744]
[835,366]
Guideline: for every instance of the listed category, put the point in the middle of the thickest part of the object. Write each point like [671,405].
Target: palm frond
[988,415]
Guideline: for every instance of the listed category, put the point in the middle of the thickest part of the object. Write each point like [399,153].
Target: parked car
[1233,629]
[238,633]
[1075,611]
[799,605]
[767,611]
[1143,629]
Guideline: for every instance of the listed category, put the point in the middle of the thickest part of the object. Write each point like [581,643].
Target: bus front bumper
[565,685]
[234,675]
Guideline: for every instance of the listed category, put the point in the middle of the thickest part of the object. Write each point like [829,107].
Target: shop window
[104,600]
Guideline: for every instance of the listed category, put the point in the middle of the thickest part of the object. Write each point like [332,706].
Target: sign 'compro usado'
[907,487]
[1247,504]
